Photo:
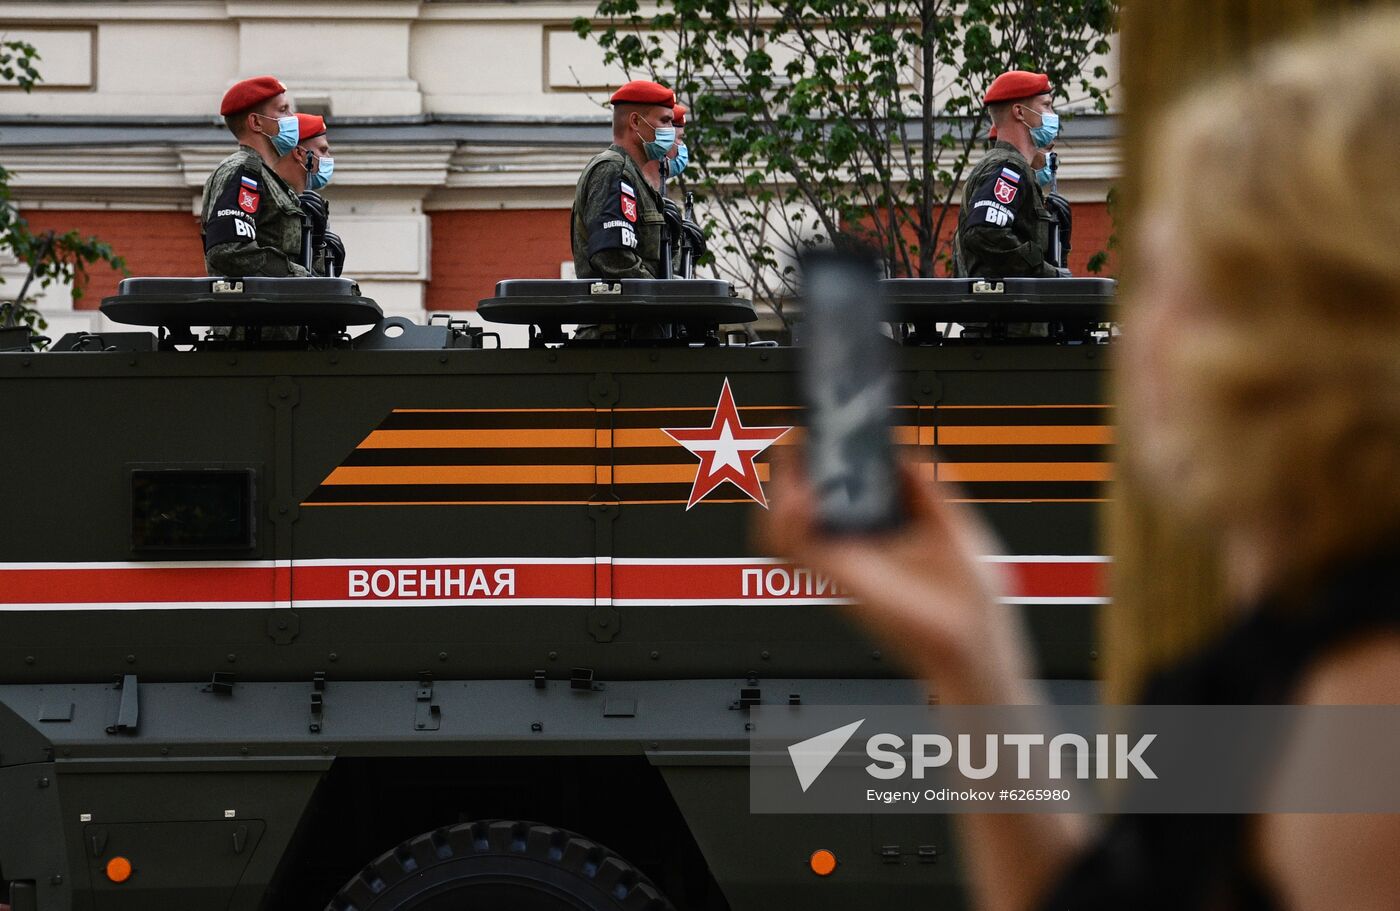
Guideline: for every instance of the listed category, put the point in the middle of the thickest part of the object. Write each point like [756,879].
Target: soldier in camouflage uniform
[307,169]
[617,218]
[252,218]
[1003,224]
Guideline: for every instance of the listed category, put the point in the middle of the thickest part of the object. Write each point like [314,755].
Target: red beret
[249,93]
[309,126]
[679,115]
[992,134]
[1015,85]
[642,91]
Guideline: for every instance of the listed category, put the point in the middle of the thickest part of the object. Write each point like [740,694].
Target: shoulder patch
[1004,191]
[232,215]
[248,200]
[611,221]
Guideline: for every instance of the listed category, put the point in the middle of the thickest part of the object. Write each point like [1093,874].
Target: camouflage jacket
[252,220]
[617,222]
[1003,225]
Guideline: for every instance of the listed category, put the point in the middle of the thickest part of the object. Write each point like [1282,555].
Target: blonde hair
[1282,184]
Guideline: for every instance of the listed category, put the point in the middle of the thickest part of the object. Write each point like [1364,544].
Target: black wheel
[499,865]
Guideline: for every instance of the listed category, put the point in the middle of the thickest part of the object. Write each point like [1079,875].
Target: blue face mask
[677,164]
[665,137]
[1049,128]
[288,132]
[325,167]
[1044,176]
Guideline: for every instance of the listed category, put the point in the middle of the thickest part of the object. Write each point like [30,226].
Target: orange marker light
[823,862]
[119,869]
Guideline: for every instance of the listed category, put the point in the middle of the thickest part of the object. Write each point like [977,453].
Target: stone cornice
[163,173]
[314,11]
[504,167]
[584,131]
[455,164]
[63,12]
[138,175]
[356,164]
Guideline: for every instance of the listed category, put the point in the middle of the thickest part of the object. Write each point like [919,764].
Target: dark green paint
[75,423]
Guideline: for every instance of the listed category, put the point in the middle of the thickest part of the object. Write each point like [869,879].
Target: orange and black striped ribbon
[572,455]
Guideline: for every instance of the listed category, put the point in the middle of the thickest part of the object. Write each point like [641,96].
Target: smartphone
[846,386]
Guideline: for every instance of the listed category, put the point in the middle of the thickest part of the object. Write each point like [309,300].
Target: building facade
[458,129]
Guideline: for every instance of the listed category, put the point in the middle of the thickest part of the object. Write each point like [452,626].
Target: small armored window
[200,509]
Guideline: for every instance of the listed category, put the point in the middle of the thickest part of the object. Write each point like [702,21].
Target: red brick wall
[153,244]
[1092,228]
[475,248]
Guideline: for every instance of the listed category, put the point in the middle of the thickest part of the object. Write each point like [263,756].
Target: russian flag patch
[249,182]
[1010,175]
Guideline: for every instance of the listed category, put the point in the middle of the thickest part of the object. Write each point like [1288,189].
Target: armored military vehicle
[387,618]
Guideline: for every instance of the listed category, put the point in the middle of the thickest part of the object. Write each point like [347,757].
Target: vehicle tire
[499,865]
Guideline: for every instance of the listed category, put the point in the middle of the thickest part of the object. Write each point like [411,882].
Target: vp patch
[1003,191]
[629,207]
[994,213]
[248,200]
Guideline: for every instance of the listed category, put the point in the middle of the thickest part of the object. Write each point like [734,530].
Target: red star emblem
[726,450]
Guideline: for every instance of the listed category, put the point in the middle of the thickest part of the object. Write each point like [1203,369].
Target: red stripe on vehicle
[565,581]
